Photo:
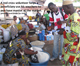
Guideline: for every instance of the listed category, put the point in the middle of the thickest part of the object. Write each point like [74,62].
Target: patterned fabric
[18,27]
[14,46]
[13,30]
[57,18]
[22,21]
[71,48]
[22,27]
[27,28]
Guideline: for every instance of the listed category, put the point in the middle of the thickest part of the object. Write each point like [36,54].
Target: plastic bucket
[41,64]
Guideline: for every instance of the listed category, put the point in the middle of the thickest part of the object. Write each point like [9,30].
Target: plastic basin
[40,64]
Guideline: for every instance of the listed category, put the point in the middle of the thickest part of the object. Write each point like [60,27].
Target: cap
[67,2]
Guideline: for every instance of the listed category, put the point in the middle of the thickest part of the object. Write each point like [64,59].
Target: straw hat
[67,2]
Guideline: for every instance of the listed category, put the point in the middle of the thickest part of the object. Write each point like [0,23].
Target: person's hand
[61,31]
[30,52]
[28,42]
[34,52]
[59,22]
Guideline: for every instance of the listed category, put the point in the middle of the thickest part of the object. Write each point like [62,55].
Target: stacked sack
[4,35]
[17,28]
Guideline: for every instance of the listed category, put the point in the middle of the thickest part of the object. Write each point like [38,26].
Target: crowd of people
[65,20]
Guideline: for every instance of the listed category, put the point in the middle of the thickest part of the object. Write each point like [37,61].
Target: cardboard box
[49,37]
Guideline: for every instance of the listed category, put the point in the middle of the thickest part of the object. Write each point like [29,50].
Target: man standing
[14,20]
[38,16]
[57,18]
[71,48]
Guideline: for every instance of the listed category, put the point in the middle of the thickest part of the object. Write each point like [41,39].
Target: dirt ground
[48,47]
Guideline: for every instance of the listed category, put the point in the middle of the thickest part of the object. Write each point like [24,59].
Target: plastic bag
[43,27]
[2,50]
[42,57]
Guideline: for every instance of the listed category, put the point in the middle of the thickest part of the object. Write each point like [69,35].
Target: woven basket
[33,37]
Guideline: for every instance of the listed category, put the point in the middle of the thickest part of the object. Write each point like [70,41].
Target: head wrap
[67,2]
[22,33]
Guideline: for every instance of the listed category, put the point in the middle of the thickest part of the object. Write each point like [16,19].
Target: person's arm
[24,49]
[61,22]
[64,21]
[30,52]
[44,12]
[51,27]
